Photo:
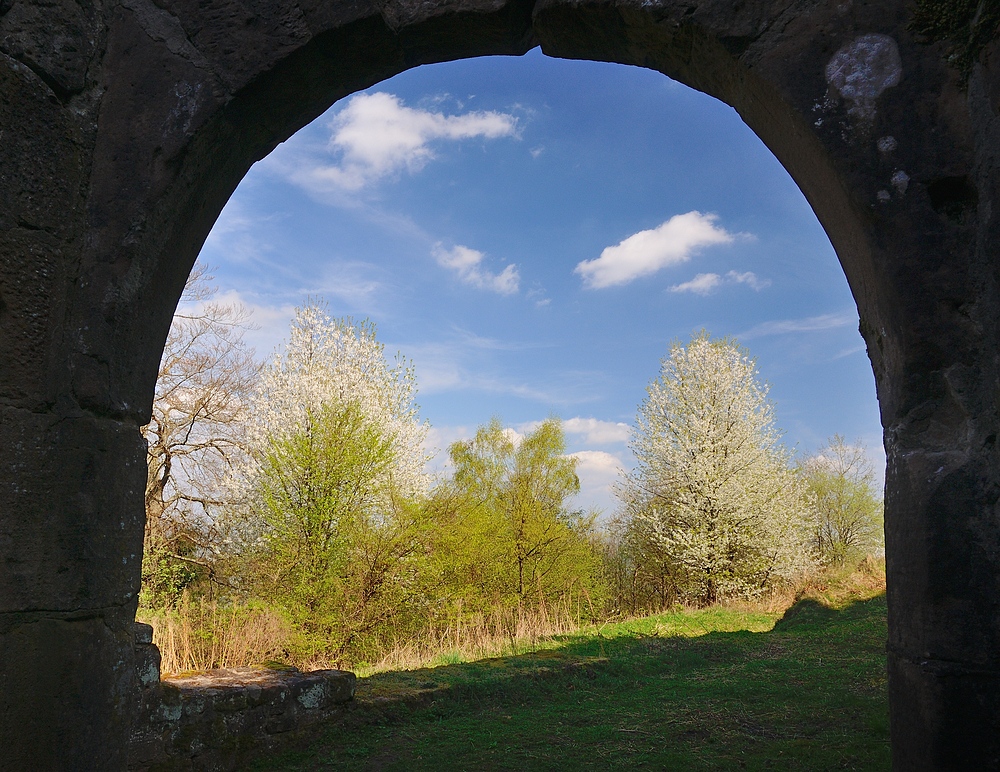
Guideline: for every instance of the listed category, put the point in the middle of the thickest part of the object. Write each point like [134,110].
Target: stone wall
[215,719]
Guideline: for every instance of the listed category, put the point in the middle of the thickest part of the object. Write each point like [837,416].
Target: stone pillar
[944,571]
[70,551]
[941,410]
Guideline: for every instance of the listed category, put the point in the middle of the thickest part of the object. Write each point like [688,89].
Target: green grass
[706,690]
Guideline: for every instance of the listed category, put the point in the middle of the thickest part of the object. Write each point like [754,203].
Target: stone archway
[125,126]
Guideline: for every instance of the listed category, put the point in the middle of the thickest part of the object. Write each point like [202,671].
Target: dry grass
[837,586]
[201,635]
[471,637]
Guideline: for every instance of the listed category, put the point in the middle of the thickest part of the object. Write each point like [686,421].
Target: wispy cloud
[808,324]
[707,283]
[461,365]
[239,236]
[467,265]
[849,351]
[750,279]
[537,295]
[352,282]
[376,136]
[646,252]
[270,322]
[702,284]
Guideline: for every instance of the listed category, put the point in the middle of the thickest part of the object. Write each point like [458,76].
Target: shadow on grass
[809,694]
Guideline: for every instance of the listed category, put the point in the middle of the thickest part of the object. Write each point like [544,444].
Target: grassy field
[706,690]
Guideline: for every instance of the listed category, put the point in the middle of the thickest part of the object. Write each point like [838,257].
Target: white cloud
[598,472]
[596,432]
[439,438]
[707,283]
[808,324]
[537,294]
[467,264]
[377,136]
[750,279]
[592,430]
[597,462]
[702,284]
[646,252]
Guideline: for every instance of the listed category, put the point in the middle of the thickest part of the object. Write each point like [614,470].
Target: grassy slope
[808,695]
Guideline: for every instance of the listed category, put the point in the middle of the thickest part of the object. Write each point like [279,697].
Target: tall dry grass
[199,635]
[203,634]
[466,637]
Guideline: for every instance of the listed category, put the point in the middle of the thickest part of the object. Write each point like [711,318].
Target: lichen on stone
[861,70]
[313,697]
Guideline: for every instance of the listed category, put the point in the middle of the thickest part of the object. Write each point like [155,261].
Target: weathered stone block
[211,720]
[71,519]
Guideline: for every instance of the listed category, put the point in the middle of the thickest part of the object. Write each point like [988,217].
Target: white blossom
[713,489]
[333,362]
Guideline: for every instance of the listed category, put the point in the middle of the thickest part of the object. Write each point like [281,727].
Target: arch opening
[133,156]
[582,156]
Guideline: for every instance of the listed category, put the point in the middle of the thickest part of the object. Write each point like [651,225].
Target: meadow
[728,687]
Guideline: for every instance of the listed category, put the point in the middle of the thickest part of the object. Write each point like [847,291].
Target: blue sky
[533,233]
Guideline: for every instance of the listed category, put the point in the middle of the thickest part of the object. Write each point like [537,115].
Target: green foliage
[337,546]
[505,534]
[967,26]
[848,514]
[165,577]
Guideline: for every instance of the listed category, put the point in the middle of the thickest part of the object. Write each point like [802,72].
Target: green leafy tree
[848,515]
[325,525]
[507,533]
[712,505]
[338,540]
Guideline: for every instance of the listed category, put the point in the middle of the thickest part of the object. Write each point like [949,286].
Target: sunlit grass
[719,688]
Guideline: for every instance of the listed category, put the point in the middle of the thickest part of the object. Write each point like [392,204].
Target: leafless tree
[196,431]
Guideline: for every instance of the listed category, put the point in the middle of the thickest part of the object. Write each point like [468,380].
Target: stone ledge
[211,720]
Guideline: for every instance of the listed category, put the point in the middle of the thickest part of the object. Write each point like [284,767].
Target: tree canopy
[195,433]
[712,501]
[848,508]
[323,522]
[511,535]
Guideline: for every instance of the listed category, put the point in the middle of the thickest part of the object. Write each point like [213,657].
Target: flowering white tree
[325,525]
[338,362]
[713,497]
